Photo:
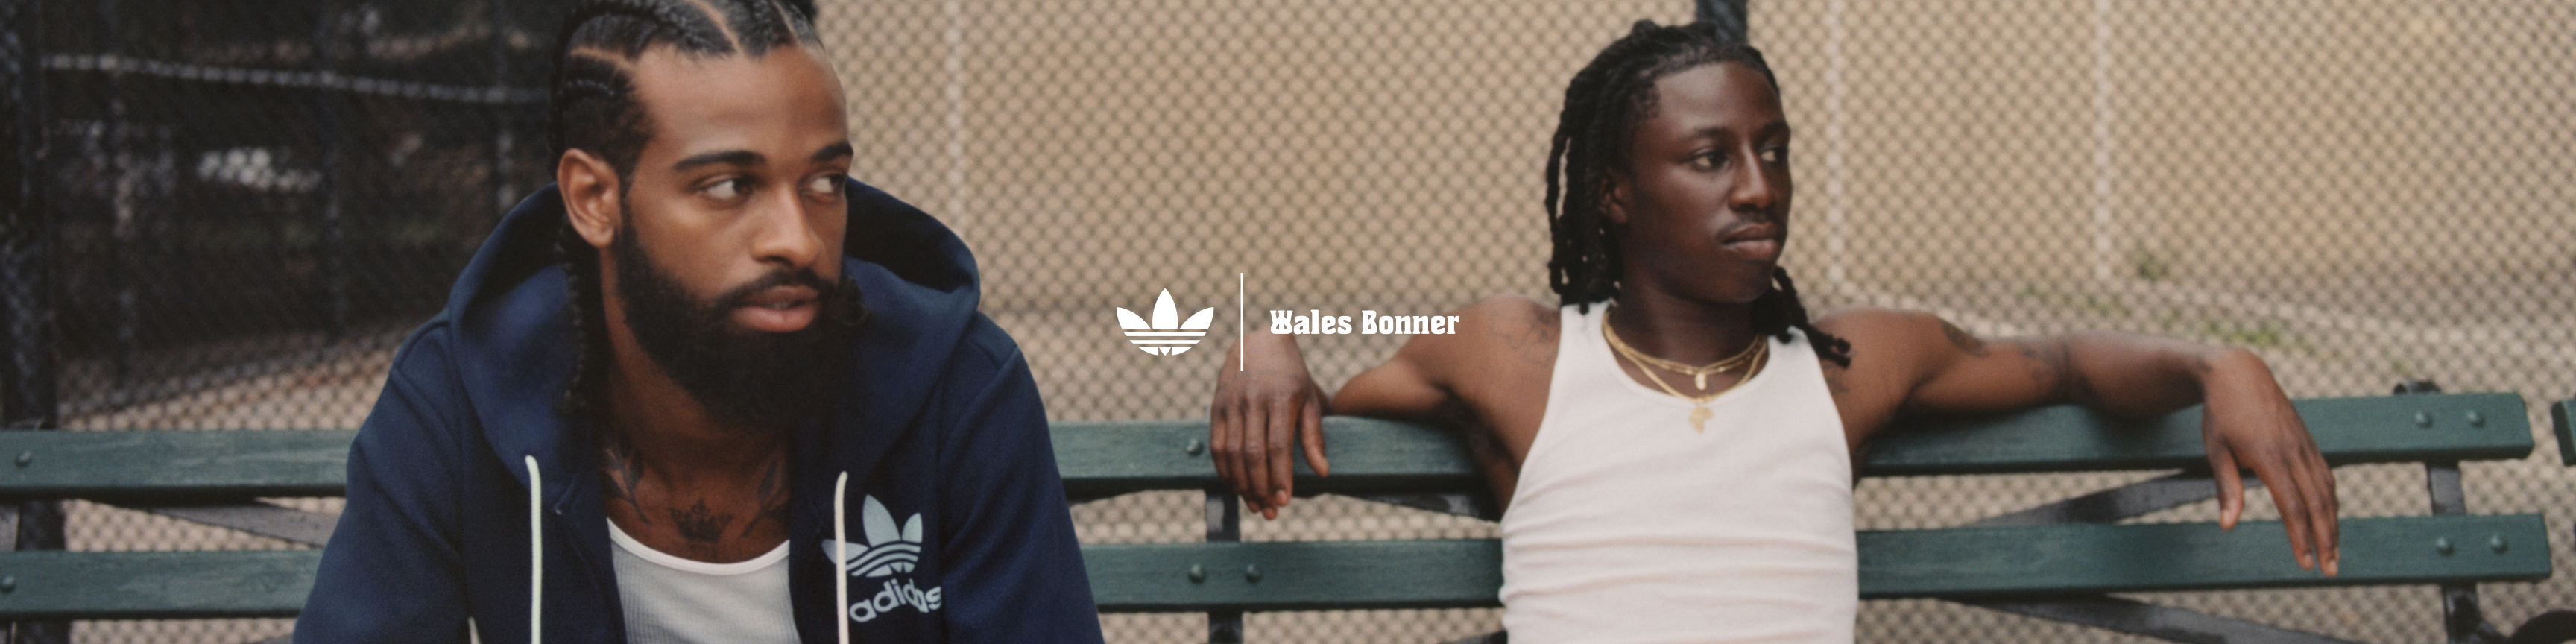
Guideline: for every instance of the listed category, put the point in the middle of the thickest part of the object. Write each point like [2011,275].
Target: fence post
[27,284]
[331,48]
[1729,15]
[504,123]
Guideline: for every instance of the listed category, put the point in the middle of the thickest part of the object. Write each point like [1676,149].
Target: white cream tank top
[1627,527]
[672,600]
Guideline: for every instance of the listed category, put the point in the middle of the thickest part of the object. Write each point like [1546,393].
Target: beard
[764,380]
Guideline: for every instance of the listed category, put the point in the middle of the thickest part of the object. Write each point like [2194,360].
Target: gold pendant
[1699,419]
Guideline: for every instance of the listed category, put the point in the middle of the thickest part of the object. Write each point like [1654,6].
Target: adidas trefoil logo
[1168,335]
[890,548]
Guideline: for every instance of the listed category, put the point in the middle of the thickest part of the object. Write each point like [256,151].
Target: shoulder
[1875,322]
[985,348]
[1509,308]
[1500,328]
[983,375]
[1893,334]
[423,383]
[986,377]
[1892,350]
[1509,318]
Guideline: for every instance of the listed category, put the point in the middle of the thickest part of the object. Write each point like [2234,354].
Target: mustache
[840,301]
[737,296]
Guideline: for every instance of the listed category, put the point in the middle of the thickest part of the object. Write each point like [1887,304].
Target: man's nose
[784,234]
[1756,188]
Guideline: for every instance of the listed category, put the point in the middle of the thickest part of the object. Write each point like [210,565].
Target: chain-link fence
[253,200]
[244,205]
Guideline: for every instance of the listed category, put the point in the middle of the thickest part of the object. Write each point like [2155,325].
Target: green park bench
[2058,561]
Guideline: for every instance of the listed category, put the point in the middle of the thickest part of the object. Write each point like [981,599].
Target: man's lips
[778,309]
[1760,250]
[1758,242]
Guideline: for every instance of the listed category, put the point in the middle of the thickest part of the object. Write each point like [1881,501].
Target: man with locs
[1674,445]
[705,388]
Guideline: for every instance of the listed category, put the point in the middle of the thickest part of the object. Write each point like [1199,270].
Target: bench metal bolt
[1252,573]
[2477,419]
[2442,545]
[26,457]
[2495,542]
[1195,447]
[1198,573]
[2424,420]
[8,584]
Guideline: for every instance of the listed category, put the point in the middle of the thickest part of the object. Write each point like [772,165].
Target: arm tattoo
[1529,340]
[2052,363]
[1834,379]
[1968,344]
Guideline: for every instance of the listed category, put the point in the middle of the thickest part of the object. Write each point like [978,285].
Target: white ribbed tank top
[1627,527]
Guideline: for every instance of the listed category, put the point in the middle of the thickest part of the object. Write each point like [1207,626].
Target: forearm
[1264,356]
[2138,376]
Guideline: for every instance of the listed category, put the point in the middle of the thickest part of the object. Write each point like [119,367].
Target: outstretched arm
[2248,422]
[1269,405]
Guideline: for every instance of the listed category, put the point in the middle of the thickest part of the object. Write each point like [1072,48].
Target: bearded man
[706,388]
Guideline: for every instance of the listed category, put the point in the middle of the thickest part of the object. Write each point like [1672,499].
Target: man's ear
[1614,203]
[590,193]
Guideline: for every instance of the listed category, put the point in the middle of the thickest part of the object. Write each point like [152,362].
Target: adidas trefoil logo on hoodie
[890,553]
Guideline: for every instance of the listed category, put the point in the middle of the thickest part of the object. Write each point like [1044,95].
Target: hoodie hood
[518,348]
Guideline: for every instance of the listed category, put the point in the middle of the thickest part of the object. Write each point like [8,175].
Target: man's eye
[1706,160]
[1775,156]
[827,185]
[727,190]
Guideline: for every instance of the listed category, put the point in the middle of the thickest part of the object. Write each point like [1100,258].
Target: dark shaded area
[231,181]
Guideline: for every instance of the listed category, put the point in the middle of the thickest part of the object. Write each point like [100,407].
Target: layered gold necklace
[1750,357]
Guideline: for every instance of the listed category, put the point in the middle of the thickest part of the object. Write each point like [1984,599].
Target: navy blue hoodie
[953,514]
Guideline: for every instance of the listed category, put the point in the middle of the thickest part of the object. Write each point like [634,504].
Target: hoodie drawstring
[841,550]
[536,553]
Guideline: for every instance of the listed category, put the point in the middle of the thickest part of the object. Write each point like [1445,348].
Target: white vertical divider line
[536,553]
[2103,244]
[1835,206]
[1239,351]
[956,92]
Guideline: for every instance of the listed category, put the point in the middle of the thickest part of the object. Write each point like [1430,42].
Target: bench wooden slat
[1951,563]
[2094,558]
[175,466]
[54,584]
[1295,575]
[1371,456]
[2369,429]
[1331,575]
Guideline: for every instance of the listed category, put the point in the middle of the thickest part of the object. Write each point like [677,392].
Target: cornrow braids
[592,106]
[581,396]
[1593,147]
[592,102]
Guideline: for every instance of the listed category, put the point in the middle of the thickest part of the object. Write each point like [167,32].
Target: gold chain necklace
[1751,355]
[1699,374]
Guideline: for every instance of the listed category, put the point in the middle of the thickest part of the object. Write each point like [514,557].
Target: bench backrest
[1374,457]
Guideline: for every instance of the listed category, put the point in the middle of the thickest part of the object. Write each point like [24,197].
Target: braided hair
[1593,145]
[592,106]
